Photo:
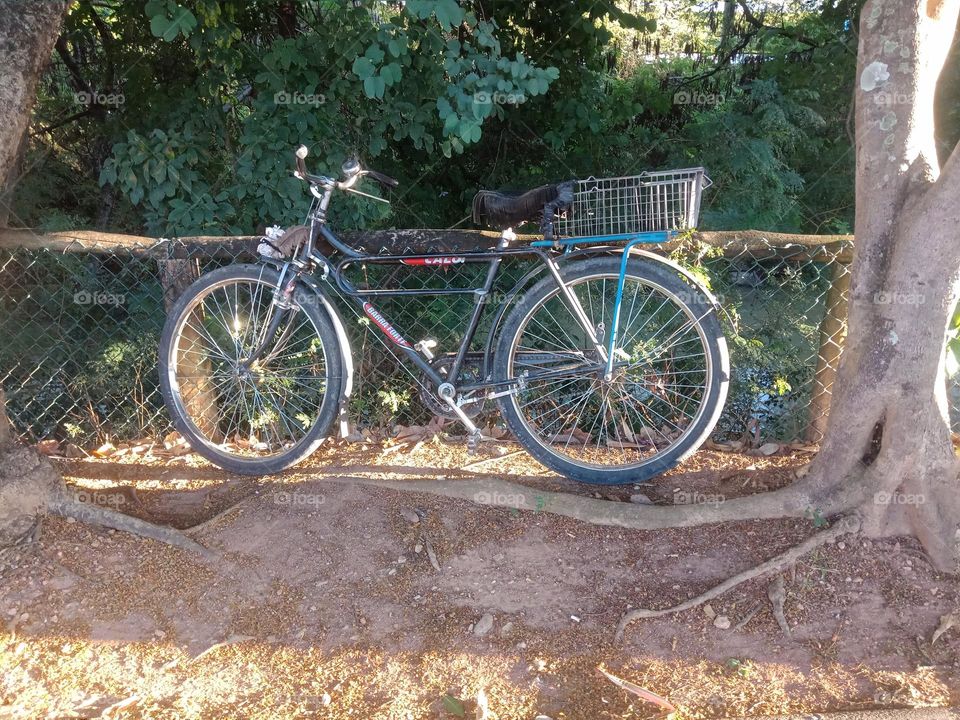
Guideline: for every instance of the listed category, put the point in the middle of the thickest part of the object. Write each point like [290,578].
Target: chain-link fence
[81,322]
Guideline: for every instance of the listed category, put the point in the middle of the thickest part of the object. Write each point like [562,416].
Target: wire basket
[650,202]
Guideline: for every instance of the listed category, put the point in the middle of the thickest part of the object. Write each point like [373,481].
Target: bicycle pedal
[473,442]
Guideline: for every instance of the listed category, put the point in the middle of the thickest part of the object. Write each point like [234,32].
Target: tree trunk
[833,328]
[196,381]
[27,34]
[888,446]
[287,18]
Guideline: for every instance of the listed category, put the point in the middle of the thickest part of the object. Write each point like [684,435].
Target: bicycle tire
[663,279]
[170,387]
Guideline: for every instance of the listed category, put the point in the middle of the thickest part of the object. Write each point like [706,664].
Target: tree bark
[27,34]
[196,382]
[833,328]
[888,443]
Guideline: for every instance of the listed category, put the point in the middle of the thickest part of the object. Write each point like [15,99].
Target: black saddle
[501,210]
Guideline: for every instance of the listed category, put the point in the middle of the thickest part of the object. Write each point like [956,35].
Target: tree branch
[65,121]
[780,30]
[79,83]
[106,37]
[722,62]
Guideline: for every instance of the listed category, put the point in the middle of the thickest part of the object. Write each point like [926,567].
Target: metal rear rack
[622,207]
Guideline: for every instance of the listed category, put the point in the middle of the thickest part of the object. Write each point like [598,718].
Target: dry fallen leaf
[638,691]
[105,450]
[768,448]
[48,447]
[946,622]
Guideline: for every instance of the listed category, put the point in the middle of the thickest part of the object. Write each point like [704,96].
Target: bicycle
[607,361]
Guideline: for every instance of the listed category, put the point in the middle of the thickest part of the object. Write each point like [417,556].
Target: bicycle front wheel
[664,394]
[252,416]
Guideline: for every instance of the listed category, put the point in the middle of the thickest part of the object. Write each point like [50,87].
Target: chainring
[469,373]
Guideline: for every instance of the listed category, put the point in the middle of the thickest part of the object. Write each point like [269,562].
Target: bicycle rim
[660,386]
[250,411]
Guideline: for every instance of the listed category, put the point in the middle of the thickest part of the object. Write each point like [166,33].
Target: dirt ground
[325,600]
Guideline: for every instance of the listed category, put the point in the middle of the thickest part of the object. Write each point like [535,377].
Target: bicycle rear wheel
[250,418]
[665,394]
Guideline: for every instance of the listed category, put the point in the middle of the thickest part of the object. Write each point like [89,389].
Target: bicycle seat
[500,210]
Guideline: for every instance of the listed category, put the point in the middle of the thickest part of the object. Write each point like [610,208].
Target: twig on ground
[430,551]
[232,640]
[109,712]
[478,463]
[394,448]
[751,613]
[848,524]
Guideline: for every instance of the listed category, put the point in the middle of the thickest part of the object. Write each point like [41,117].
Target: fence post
[833,330]
[198,393]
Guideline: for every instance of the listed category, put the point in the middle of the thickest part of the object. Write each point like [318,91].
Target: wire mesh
[81,327]
[649,202]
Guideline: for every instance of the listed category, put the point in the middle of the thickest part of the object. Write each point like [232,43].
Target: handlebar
[385,180]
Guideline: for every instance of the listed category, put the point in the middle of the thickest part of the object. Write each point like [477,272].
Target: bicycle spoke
[646,404]
[249,410]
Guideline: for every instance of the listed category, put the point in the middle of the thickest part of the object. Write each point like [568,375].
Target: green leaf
[469,131]
[391,73]
[449,13]
[374,53]
[363,68]
[374,86]
[450,124]
[163,27]
[453,706]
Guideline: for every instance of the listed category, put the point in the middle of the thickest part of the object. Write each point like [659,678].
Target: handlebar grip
[384,180]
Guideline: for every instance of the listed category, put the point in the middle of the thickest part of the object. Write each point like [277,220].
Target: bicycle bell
[350,167]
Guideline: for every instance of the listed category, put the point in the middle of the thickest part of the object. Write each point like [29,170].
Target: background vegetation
[179,117]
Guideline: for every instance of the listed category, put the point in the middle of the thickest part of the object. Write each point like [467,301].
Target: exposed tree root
[96,515]
[777,596]
[31,487]
[848,524]
[788,502]
[211,521]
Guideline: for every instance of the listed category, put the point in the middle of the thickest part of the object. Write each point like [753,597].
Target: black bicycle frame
[494,258]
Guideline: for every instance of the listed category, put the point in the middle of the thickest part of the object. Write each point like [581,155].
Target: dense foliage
[179,116]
